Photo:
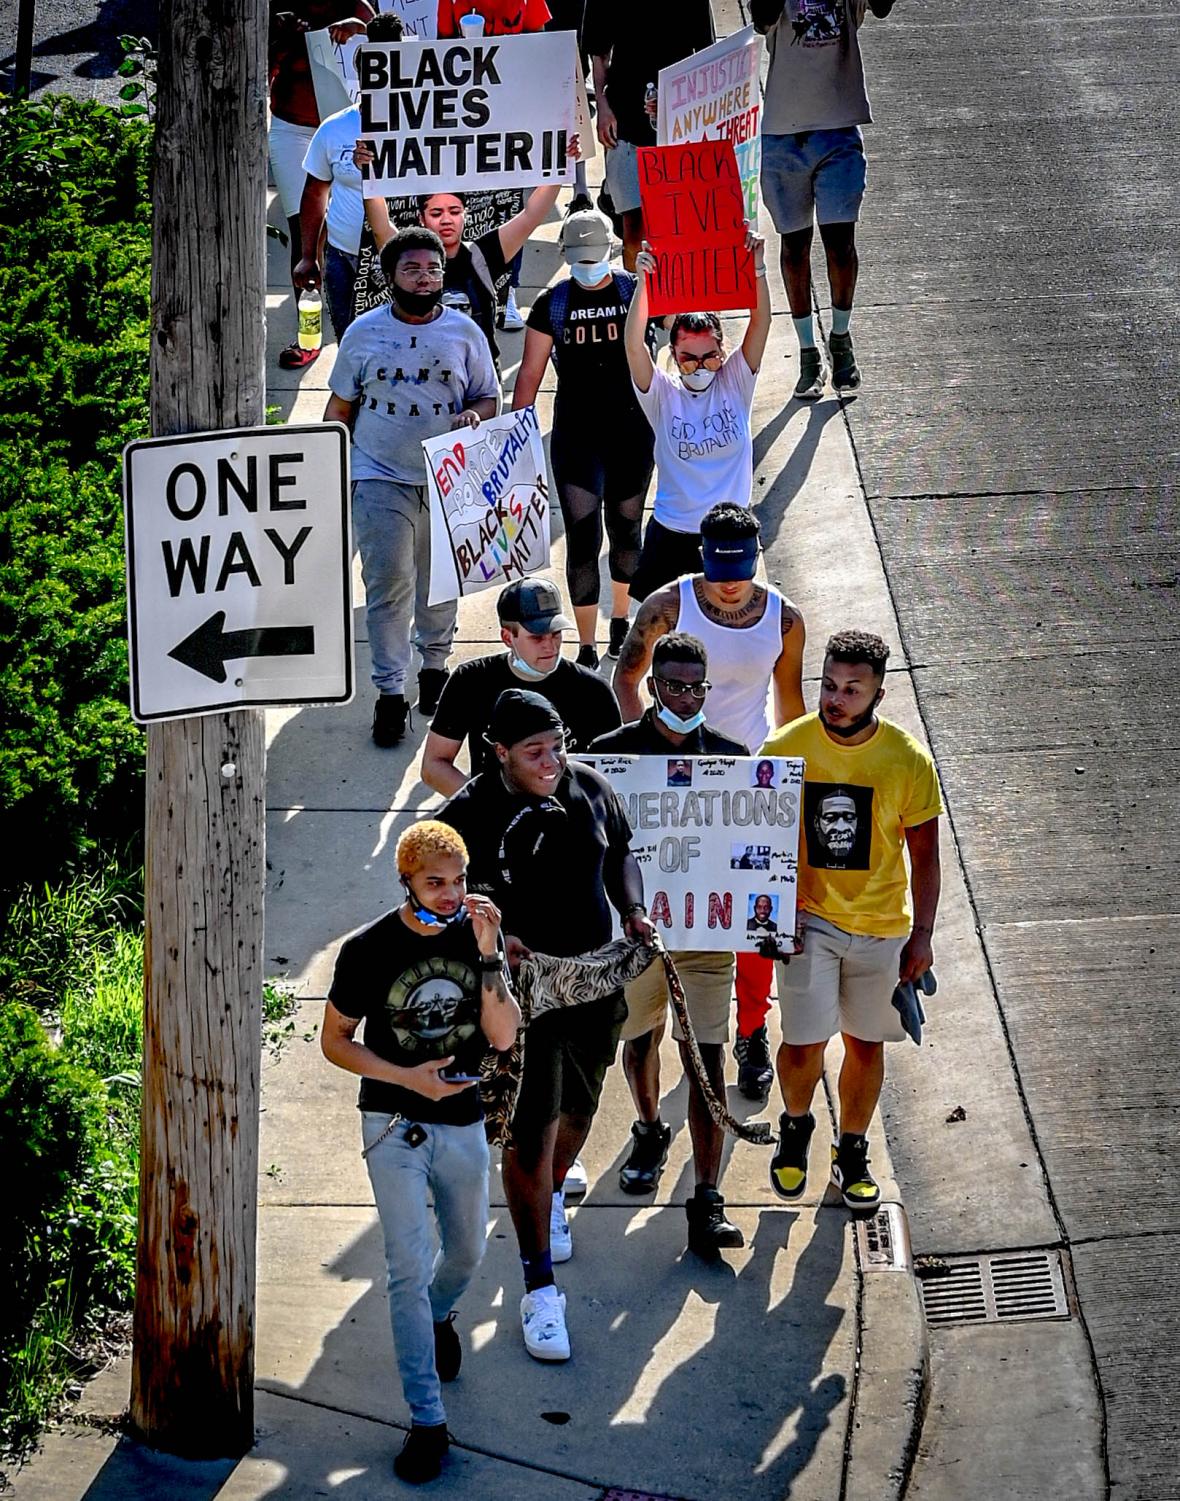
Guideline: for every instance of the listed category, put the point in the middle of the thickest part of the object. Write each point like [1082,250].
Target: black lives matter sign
[459,116]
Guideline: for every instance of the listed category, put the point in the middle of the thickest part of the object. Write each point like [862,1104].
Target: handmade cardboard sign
[489,505]
[714,96]
[717,841]
[496,112]
[694,217]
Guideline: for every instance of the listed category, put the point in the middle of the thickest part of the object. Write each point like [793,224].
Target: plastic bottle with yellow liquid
[311,319]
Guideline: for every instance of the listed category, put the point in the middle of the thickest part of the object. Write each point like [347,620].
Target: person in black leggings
[601,446]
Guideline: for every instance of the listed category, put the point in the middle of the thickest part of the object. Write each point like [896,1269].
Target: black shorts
[566,1055]
[666,555]
[616,469]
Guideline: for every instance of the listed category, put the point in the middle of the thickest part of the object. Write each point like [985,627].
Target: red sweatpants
[752,987]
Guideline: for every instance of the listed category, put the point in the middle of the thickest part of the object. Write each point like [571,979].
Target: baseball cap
[534,604]
[725,560]
[585,236]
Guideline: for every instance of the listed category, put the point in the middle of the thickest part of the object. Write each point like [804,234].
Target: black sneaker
[708,1230]
[788,1166]
[431,682]
[588,657]
[619,627]
[640,1174]
[755,1071]
[813,375]
[579,203]
[850,1173]
[422,1453]
[448,1352]
[390,714]
[845,370]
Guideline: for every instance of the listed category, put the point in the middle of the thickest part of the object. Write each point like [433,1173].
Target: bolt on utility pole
[193,1361]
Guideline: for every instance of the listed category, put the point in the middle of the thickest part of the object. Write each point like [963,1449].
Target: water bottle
[311,319]
[650,95]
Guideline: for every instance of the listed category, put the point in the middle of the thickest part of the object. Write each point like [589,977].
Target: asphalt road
[75,44]
[1020,446]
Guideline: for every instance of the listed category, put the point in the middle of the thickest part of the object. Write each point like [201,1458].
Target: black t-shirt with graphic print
[593,380]
[420,998]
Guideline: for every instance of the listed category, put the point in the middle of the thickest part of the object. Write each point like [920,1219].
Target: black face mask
[417,304]
[846,731]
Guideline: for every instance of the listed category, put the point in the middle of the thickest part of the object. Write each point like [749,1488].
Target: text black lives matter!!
[447,101]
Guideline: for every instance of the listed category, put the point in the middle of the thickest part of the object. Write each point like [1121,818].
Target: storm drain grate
[1003,1287]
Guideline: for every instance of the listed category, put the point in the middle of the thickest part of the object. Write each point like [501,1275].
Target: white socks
[805,328]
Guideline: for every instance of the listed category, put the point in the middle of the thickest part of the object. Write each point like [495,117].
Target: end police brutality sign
[239,579]
[456,116]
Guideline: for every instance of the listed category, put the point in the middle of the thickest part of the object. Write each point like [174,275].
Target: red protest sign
[694,218]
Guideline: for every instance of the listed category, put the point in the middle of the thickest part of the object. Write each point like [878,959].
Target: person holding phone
[429,982]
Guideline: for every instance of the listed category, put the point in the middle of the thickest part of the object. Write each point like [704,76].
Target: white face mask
[699,379]
[587,273]
[674,722]
[526,670]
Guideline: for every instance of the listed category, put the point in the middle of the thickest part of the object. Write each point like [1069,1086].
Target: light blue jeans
[424,1284]
[391,523]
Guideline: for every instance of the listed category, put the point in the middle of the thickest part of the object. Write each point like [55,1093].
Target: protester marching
[683,833]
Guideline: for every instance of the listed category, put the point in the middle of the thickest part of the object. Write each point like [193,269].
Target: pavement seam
[349,1412]
[985,952]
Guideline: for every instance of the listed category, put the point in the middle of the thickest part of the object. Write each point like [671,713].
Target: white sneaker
[577,1180]
[542,1320]
[513,322]
[561,1237]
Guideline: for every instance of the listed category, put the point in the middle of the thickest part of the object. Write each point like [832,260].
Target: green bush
[75,256]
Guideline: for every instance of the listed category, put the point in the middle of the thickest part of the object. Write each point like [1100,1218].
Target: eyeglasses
[672,689]
[690,362]
[421,273]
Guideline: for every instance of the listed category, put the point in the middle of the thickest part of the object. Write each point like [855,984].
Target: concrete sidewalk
[783,1371]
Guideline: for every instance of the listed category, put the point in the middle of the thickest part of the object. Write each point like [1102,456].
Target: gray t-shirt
[816,80]
[410,379]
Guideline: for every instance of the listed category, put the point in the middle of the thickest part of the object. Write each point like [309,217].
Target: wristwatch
[491,964]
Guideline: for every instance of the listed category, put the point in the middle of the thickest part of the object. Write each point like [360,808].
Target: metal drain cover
[1001,1288]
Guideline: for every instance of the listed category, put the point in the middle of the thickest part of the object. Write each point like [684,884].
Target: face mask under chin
[526,670]
[674,722]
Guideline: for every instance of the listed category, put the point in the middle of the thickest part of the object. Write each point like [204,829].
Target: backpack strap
[479,264]
[559,302]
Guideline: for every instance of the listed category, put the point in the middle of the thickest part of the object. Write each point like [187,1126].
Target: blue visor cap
[727,561]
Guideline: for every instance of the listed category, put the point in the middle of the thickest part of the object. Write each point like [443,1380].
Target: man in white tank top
[754,638]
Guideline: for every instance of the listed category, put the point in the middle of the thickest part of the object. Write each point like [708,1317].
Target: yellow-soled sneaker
[788,1166]
[850,1173]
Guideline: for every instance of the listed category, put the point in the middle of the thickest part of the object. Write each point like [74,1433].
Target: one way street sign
[239,578]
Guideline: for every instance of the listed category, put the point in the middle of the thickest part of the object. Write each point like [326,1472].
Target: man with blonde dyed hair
[428,981]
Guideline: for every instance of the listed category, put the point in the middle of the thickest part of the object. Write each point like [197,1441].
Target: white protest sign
[496,112]
[239,569]
[489,505]
[717,840]
[714,96]
[333,67]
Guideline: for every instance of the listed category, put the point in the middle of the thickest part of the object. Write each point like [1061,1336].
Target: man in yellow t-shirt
[870,793]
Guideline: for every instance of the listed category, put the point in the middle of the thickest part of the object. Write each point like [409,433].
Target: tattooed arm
[788,670]
[657,616]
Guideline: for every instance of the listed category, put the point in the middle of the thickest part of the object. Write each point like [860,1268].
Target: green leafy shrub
[75,256]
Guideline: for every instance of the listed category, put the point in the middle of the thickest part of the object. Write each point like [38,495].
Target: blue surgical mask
[428,918]
[587,273]
[526,670]
[674,722]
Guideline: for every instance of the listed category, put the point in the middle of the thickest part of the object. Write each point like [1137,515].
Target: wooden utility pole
[193,1364]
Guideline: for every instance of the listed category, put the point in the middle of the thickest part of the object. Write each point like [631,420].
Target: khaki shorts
[841,982]
[708,989]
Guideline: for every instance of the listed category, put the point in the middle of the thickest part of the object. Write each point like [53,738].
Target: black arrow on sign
[210,646]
